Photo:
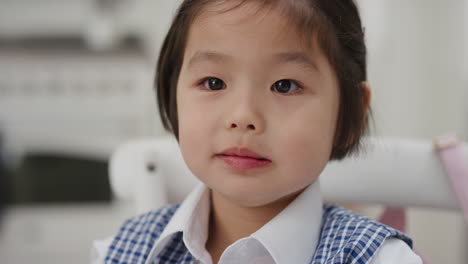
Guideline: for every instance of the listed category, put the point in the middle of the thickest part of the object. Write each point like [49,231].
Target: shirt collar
[292,236]
[191,218]
[284,236]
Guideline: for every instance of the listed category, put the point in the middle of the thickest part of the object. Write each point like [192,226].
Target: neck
[230,222]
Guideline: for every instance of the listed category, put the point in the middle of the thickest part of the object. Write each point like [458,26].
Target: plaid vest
[346,237]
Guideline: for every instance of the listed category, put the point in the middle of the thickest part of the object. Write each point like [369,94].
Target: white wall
[417,69]
[416,66]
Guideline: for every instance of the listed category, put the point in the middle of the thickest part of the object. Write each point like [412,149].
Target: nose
[246,116]
[247,127]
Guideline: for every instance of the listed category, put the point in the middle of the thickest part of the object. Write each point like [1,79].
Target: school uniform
[306,231]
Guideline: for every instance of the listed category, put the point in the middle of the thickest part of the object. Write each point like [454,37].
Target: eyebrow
[300,58]
[297,57]
[213,56]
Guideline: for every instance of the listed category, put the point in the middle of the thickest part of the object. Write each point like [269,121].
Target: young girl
[261,95]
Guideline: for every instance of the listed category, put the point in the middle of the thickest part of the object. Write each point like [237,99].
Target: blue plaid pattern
[346,238]
[174,252]
[351,238]
[137,236]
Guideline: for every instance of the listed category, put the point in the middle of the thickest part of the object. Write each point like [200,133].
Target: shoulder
[137,235]
[335,212]
[341,219]
[395,250]
[161,215]
[152,222]
[348,237]
[335,215]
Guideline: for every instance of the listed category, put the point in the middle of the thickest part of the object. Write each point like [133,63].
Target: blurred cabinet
[74,101]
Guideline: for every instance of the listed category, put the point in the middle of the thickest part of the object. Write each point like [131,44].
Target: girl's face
[250,83]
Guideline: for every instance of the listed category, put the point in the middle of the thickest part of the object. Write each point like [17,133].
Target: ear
[367,95]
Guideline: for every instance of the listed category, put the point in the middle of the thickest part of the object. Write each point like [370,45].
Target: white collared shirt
[267,245]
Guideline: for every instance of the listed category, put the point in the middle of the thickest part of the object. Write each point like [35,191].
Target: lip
[242,152]
[243,159]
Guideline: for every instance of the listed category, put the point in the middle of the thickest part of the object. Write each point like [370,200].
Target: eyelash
[296,83]
[202,82]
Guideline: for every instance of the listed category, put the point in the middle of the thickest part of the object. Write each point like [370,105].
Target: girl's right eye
[213,84]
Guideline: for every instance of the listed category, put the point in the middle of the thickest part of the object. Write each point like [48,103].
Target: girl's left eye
[213,84]
[285,86]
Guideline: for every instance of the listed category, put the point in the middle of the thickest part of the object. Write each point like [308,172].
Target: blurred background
[76,81]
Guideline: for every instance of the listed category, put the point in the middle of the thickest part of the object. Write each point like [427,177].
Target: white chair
[389,172]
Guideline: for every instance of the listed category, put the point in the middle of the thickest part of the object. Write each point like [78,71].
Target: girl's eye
[213,84]
[285,86]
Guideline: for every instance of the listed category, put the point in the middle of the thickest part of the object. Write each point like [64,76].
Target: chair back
[390,172]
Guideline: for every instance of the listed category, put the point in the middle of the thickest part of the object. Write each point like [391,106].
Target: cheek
[189,114]
[309,148]
[200,115]
[306,141]
[195,131]
[189,126]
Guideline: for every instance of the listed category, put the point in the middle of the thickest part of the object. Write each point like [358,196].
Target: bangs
[311,25]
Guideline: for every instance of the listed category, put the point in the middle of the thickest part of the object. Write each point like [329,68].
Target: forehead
[278,18]
[247,28]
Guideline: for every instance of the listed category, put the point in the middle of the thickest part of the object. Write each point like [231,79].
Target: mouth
[243,159]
